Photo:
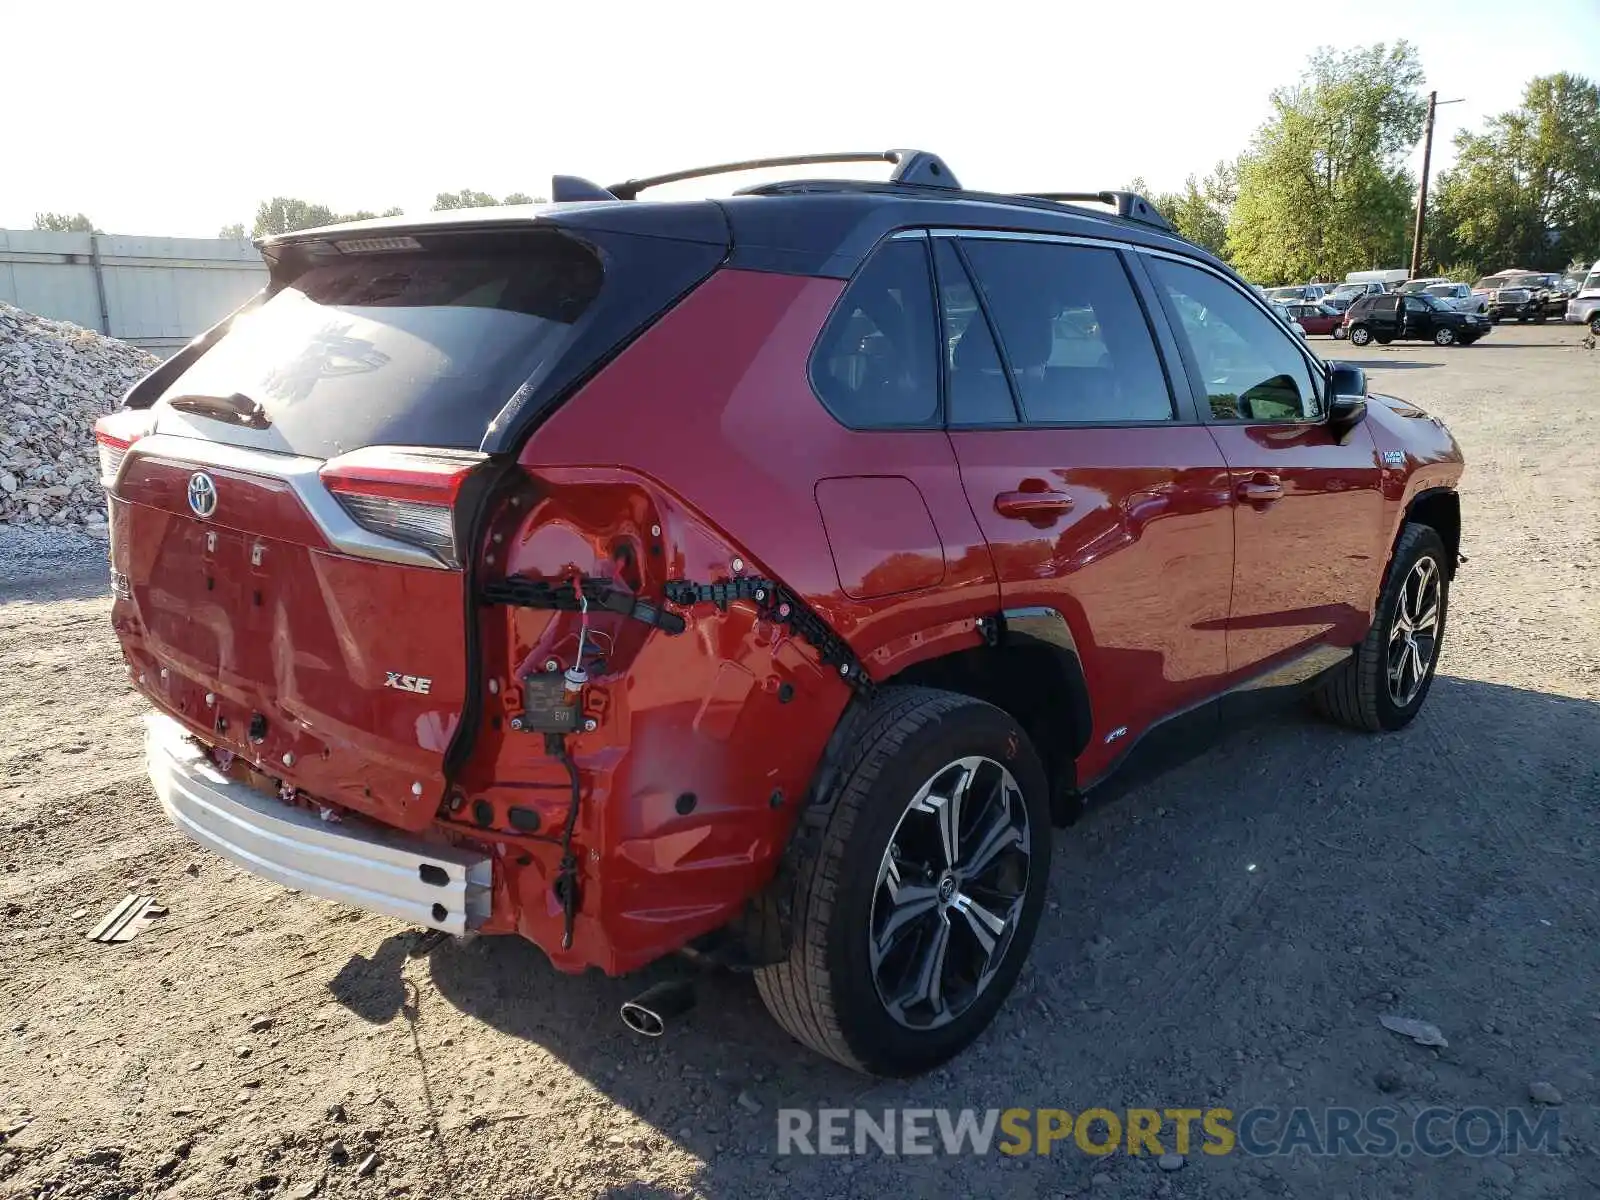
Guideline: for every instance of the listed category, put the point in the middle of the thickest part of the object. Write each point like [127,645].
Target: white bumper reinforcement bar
[440,886]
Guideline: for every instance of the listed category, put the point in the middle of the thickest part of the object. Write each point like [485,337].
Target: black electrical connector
[522,591]
[781,606]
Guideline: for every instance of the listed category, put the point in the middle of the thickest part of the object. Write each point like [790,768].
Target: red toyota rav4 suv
[762,577]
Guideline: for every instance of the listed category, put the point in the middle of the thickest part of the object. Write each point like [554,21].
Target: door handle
[1262,489]
[1030,506]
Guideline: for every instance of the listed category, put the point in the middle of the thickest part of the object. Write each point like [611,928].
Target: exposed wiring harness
[566,885]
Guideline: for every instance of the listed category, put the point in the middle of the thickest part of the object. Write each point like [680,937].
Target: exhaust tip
[641,1020]
[647,1013]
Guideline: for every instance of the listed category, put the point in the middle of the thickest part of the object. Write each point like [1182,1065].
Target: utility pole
[1422,194]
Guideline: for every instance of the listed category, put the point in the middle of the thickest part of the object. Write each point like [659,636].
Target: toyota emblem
[202,494]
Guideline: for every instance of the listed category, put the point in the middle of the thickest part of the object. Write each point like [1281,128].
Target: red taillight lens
[113,435]
[405,494]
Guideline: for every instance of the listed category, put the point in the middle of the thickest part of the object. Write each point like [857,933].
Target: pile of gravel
[56,378]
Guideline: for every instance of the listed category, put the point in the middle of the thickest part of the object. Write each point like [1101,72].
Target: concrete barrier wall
[154,292]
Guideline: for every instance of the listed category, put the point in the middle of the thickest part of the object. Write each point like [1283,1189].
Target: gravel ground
[1227,935]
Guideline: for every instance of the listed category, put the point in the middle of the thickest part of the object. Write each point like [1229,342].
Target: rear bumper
[439,886]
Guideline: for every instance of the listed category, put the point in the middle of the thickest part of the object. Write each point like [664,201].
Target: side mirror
[1347,397]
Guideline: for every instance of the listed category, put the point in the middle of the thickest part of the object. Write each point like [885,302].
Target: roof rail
[911,166]
[1130,205]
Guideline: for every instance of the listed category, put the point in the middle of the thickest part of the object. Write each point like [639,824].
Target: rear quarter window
[876,364]
[417,348]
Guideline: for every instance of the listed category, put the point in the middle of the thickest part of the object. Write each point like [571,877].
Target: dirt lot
[1227,935]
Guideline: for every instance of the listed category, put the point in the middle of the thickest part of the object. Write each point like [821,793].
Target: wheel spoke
[927,986]
[1000,835]
[911,901]
[1418,666]
[948,811]
[1428,619]
[986,926]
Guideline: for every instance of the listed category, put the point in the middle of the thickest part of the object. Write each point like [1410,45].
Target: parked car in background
[1508,296]
[1316,318]
[1393,317]
[1584,307]
[1281,311]
[1458,296]
[1305,293]
[1347,293]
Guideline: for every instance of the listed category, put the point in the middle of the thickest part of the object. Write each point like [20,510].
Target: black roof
[807,226]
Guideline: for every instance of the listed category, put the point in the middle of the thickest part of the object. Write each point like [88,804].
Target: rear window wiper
[237,409]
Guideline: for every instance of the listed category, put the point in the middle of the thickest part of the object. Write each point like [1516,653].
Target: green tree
[51,222]
[1323,189]
[465,198]
[1525,191]
[236,230]
[283,214]
[1200,211]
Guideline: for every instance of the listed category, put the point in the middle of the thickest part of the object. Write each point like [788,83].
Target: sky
[176,118]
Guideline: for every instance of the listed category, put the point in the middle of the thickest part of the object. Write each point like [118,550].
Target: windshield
[1592,284]
[1349,289]
[1525,281]
[1442,290]
[1412,286]
[1434,303]
[1489,283]
[1286,293]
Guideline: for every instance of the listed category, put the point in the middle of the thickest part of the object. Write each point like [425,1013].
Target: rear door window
[1250,365]
[978,389]
[876,365]
[420,346]
[1072,332]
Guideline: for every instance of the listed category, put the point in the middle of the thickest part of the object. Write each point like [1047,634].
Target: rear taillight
[113,435]
[405,494]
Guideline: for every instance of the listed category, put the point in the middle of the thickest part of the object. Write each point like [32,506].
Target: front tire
[1383,685]
[1444,337]
[1594,325]
[918,904]
[1360,335]
[1338,333]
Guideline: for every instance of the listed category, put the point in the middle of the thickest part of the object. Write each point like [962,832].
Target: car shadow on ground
[1157,960]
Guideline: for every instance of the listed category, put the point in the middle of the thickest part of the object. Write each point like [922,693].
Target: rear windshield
[416,347]
[1286,293]
[1349,289]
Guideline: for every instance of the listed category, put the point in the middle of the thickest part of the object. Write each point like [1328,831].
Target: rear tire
[1382,686]
[1594,325]
[1360,335]
[881,901]
[1444,337]
[1338,333]
[1383,339]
